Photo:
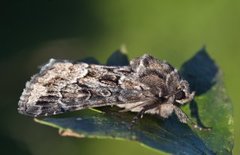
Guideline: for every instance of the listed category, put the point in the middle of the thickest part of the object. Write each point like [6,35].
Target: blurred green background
[31,32]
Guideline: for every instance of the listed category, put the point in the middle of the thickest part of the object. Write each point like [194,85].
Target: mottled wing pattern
[64,86]
[147,85]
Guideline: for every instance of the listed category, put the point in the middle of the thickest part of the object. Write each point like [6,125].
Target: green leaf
[211,107]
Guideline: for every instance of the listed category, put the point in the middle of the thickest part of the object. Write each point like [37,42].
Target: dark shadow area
[200,71]
[25,23]
[118,58]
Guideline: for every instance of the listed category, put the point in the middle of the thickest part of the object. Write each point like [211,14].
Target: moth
[147,85]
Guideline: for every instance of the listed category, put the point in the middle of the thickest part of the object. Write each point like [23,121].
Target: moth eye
[180,95]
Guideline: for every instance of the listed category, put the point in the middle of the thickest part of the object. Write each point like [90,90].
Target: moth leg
[185,119]
[149,105]
[138,116]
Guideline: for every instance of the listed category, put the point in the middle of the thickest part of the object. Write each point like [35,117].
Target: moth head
[183,93]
